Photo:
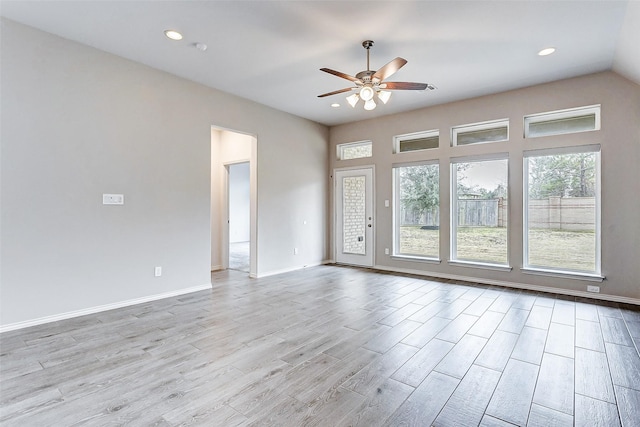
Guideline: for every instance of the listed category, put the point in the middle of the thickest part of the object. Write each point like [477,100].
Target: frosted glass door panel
[353,211]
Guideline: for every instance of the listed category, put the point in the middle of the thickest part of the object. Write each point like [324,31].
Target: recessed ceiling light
[547,51]
[173,34]
[335,105]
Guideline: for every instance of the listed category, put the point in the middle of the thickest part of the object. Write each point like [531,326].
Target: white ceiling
[271,51]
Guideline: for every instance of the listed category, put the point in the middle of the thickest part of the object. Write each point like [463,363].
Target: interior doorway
[239,196]
[234,190]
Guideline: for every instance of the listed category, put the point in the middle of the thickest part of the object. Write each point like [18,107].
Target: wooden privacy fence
[471,213]
[482,212]
[563,213]
[559,213]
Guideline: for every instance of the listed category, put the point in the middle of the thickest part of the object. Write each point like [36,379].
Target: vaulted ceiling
[271,51]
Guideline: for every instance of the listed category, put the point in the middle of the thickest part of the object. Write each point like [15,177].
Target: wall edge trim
[288,270]
[100,308]
[547,289]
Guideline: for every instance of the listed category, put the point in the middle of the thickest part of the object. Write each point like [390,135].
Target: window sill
[482,265]
[563,274]
[416,259]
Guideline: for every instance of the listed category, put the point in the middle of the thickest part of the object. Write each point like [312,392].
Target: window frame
[560,115]
[471,127]
[397,139]
[340,148]
[554,271]
[453,232]
[395,214]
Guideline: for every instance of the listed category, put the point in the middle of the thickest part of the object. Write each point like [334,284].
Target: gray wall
[619,139]
[77,123]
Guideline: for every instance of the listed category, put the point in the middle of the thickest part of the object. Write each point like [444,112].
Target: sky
[487,174]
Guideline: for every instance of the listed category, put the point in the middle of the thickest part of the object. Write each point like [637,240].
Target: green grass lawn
[547,248]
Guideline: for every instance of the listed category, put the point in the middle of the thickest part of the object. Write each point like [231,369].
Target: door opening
[234,195]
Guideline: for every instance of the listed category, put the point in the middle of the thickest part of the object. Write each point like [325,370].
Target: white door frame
[366,260]
[253,183]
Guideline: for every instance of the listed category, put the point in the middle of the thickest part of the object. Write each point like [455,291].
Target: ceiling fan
[370,83]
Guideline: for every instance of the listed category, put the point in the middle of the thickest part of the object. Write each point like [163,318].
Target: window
[564,121]
[417,211]
[416,141]
[562,210]
[479,210]
[494,131]
[354,150]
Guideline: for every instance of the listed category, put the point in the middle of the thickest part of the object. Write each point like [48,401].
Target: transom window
[477,133]
[416,141]
[354,150]
[563,121]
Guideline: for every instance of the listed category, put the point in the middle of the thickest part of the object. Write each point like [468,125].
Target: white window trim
[558,272]
[417,258]
[481,265]
[493,124]
[394,214]
[562,274]
[415,135]
[341,147]
[453,246]
[562,114]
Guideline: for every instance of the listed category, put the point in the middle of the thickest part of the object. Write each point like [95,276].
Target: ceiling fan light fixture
[384,96]
[370,105]
[353,100]
[366,93]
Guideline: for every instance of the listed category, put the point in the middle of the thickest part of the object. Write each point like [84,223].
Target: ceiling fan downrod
[367,45]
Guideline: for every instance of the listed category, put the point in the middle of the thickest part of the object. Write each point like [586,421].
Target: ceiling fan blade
[339,74]
[404,86]
[335,92]
[388,69]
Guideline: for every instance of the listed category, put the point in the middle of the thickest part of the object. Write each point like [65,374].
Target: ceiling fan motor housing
[365,76]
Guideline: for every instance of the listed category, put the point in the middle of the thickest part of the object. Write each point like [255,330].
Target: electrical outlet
[386,251]
[595,289]
[295,251]
[158,271]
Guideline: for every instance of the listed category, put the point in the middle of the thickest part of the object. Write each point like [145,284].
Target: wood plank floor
[330,346]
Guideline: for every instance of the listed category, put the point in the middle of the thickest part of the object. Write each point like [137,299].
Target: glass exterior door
[354,217]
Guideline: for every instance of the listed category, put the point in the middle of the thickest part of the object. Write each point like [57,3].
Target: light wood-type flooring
[330,346]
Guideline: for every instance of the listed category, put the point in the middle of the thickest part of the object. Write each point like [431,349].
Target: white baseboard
[548,289]
[97,309]
[286,270]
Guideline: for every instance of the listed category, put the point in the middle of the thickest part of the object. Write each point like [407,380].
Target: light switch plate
[113,199]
